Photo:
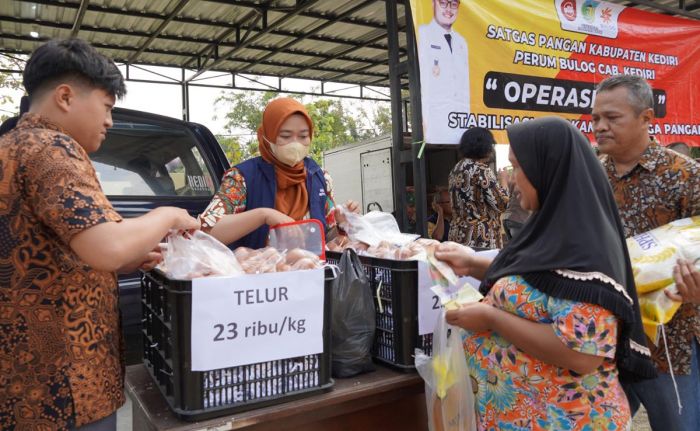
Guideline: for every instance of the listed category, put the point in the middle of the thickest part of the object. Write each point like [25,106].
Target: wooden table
[384,400]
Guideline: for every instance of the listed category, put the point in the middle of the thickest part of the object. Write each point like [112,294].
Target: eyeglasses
[453,4]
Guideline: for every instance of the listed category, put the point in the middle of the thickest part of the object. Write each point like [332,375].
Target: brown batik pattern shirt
[478,201]
[60,345]
[664,186]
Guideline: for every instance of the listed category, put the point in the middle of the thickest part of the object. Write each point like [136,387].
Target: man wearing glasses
[444,74]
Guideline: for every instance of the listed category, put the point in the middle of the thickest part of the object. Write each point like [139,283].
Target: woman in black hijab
[560,324]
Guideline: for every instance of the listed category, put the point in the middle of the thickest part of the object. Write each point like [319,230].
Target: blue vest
[261,188]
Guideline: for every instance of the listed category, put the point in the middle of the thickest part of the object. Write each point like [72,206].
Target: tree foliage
[334,122]
[9,83]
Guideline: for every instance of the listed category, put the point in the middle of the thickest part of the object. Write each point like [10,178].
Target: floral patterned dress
[517,392]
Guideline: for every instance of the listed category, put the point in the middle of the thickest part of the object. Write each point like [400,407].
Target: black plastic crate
[396,304]
[197,395]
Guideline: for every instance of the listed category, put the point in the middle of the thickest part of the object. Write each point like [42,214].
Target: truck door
[377,181]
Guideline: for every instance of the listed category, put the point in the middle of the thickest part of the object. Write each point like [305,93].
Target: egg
[283,267]
[294,255]
[305,263]
[242,253]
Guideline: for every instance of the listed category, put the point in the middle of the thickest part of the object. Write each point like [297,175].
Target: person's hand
[181,220]
[475,317]
[286,237]
[352,206]
[340,218]
[459,257]
[145,263]
[504,177]
[274,217]
[687,278]
[153,258]
[438,209]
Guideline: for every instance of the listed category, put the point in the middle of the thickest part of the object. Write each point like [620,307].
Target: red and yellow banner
[491,63]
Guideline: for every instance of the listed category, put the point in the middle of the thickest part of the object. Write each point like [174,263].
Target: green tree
[235,150]
[334,125]
[376,120]
[9,83]
[244,109]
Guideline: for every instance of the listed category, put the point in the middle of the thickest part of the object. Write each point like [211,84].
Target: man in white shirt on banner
[444,74]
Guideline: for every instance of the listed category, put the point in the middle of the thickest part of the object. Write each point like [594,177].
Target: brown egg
[306,263]
[250,267]
[268,253]
[426,241]
[283,267]
[360,246]
[242,253]
[294,255]
[405,253]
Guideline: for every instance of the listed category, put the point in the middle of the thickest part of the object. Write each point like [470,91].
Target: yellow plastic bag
[654,253]
[657,309]
[653,270]
[448,391]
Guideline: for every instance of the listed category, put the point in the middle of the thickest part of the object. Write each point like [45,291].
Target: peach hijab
[292,197]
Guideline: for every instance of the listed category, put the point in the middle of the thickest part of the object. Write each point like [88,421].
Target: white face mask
[291,153]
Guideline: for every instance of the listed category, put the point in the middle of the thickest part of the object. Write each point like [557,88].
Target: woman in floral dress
[560,324]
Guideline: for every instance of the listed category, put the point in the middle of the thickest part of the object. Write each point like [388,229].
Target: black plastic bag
[352,331]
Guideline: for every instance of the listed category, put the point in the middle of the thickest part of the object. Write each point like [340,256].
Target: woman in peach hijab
[280,186]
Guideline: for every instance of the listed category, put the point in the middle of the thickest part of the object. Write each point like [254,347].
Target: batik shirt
[516,391]
[477,204]
[60,345]
[662,187]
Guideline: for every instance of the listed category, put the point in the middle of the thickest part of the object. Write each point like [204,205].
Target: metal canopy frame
[231,39]
[317,40]
[328,41]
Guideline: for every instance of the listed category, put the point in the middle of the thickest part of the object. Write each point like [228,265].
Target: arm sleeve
[330,201]
[63,190]
[229,199]
[496,196]
[585,328]
[691,199]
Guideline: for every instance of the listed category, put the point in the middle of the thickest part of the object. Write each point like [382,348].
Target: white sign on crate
[429,303]
[256,318]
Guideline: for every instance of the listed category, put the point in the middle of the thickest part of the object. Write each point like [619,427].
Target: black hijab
[11,123]
[577,230]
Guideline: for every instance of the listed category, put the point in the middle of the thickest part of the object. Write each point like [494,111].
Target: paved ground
[124,416]
[639,423]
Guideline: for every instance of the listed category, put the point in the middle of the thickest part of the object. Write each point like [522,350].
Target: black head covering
[10,123]
[577,228]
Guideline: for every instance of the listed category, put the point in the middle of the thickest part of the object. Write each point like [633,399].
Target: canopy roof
[323,40]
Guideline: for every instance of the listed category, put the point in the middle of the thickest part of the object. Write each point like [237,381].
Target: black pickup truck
[149,161]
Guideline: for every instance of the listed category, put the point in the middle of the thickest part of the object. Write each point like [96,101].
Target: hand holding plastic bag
[654,255]
[187,256]
[448,392]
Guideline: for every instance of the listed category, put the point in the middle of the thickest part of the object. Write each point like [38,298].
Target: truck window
[151,160]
